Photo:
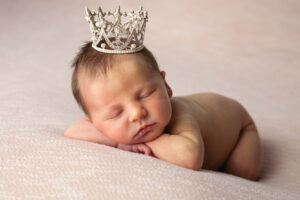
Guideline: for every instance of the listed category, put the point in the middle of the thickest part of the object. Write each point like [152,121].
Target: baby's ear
[163,74]
[170,92]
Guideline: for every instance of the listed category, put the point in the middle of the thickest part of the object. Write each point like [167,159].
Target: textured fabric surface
[247,50]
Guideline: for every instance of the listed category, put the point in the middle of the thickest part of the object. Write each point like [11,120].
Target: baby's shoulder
[202,108]
[208,107]
[207,97]
[194,102]
[183,117]
[208,101]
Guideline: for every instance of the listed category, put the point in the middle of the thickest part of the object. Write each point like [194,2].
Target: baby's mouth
[145,129]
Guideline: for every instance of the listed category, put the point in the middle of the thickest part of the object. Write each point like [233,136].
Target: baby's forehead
[134,58]
[118,62]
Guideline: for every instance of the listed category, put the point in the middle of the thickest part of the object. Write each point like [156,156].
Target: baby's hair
[96,63]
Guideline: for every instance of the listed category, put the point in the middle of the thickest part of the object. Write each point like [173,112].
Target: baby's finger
[147,151]
[135,149]
[140,148]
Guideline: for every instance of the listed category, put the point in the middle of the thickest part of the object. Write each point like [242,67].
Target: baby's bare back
[220,120]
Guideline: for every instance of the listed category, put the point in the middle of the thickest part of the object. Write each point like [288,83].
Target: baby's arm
[182,149]
[83,129]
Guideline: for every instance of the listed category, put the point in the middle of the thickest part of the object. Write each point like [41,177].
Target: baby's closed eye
[147,93]
[114,114]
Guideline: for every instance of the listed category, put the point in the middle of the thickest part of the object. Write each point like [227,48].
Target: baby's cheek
[118,132]
[164,110]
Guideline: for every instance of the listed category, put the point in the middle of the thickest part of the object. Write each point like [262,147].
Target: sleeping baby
[129,105]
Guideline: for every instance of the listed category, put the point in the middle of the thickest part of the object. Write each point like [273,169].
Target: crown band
[115,36]
[118,51]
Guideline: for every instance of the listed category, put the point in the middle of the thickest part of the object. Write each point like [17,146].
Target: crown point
[100,11]
[87,11]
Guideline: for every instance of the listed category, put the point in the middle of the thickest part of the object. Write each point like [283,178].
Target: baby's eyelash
[147,94]
[115,115]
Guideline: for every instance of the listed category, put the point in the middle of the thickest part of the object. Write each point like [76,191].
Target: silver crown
[113,36]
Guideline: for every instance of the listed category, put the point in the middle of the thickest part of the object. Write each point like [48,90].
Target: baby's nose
[137,112]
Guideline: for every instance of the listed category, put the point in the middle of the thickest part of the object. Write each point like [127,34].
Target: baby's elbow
[195,163]
[67,133]
[194,158]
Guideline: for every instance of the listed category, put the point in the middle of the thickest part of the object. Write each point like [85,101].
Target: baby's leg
[246,158]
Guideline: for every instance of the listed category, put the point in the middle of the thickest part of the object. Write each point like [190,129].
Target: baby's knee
[254,164]
[249,168]
[253,172]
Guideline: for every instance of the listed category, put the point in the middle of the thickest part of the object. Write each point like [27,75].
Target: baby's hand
[137,148]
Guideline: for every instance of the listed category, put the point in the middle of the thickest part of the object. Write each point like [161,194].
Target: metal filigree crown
[115,36]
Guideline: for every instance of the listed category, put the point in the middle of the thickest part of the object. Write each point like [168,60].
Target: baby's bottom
[246,158]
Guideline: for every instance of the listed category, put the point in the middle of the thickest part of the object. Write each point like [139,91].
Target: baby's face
[130,98]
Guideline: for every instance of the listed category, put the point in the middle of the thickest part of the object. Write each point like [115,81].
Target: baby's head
[122,93]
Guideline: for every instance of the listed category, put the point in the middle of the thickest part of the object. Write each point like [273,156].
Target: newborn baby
[129,105]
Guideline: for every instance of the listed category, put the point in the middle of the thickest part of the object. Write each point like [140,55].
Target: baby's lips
[145,130]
